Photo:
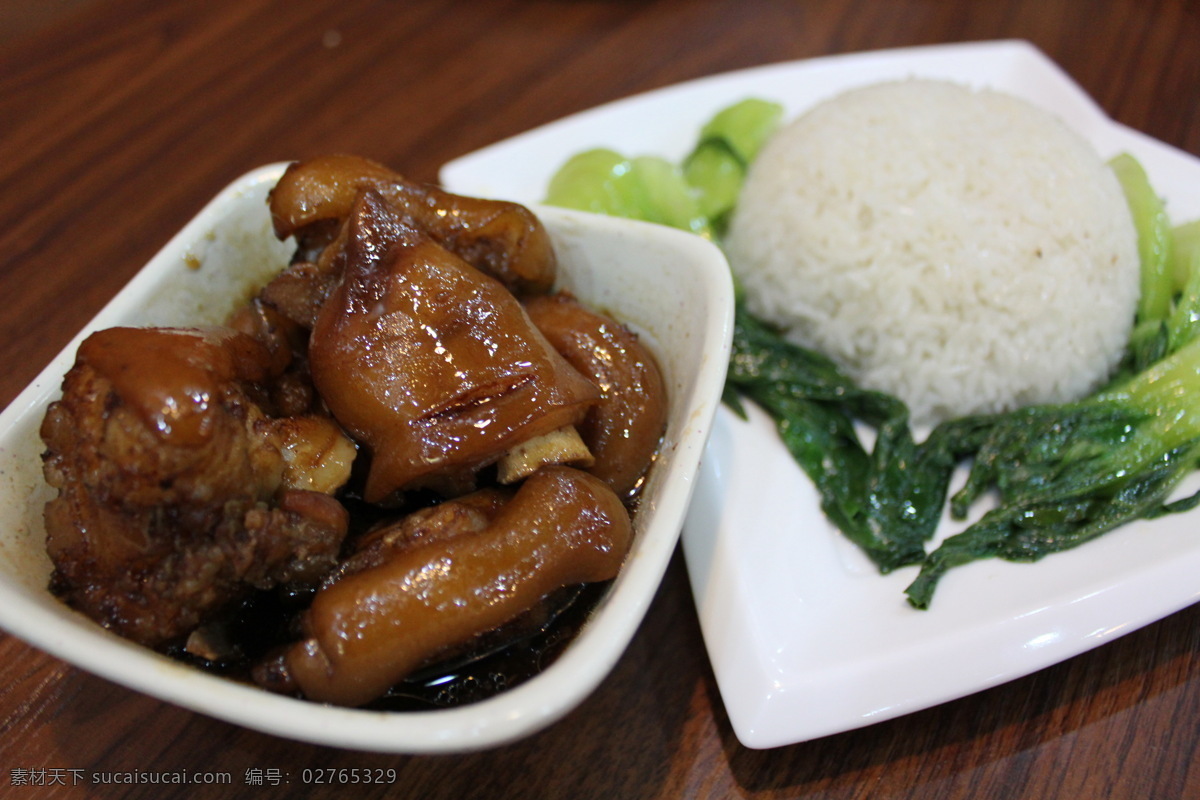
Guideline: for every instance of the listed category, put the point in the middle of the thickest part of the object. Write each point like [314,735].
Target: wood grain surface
[119,119]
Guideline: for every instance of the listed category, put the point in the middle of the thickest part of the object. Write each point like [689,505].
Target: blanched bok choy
[696,195]
[1067,473]
[1063,474]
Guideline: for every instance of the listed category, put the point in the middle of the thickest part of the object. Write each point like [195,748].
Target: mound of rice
[962,250]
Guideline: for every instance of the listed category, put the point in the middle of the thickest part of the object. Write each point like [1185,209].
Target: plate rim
[756,720]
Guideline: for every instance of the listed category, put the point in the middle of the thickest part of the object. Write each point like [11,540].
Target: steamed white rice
[962,250]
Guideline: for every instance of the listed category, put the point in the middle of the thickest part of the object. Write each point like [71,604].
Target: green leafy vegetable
[743,127]
[716,167]
[887,501]
[716,176]
[1168,313]
[646,188]
[1068,473]
[1154,238]
[1184,321]
[696,196]
[1185,245]
[1063,474]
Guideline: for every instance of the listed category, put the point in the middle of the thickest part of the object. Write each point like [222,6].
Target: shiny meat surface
[174,494]
[441,580]
[622,431]
[502,239]
[383,463]
[430,363]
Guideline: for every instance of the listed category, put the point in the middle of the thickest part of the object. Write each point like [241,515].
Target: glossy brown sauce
[412,342]
[499,661]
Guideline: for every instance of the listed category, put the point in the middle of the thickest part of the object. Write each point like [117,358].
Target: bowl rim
[512,714]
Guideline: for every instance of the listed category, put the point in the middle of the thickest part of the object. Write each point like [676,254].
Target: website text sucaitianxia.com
[66,776]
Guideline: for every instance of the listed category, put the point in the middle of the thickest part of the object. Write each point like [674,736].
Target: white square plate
[805,637]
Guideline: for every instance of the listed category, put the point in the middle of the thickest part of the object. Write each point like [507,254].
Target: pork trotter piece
[622,431]
[423,592]
[429,362]
[505,240]
[176,493]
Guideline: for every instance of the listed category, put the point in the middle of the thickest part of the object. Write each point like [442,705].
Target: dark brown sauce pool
[498,661]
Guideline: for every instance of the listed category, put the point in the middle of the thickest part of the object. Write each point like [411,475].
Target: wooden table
[120,118]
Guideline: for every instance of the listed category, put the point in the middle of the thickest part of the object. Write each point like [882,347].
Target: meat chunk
[176,492]
[622,431]
[442,578]
[505,240]
[430,363]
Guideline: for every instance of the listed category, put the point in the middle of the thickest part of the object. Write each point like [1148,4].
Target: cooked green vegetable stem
[1063,474]
[1153,236]
[1030,530]
[1067,473]
[887,501]
[1184,322]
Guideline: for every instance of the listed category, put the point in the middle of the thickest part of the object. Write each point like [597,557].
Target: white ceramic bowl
[672,287]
